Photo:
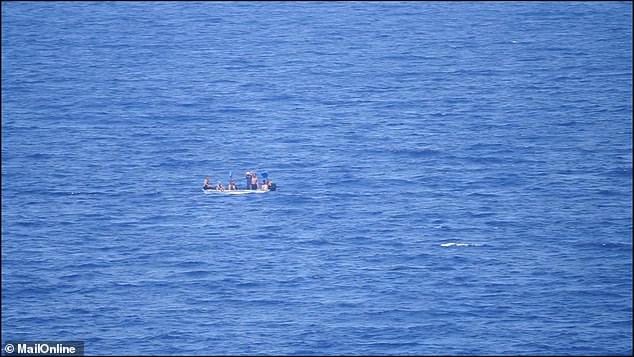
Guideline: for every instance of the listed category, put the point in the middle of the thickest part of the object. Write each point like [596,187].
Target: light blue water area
[453,178]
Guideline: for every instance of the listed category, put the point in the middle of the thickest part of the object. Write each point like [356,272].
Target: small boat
[233,192]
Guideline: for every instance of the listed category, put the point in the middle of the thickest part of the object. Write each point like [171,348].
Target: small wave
[196,273]
[619,172]
[568,123]
[39,156]
[605,245]
[415,152]
[482,194]
[486,159]
[609,193]
[456,244]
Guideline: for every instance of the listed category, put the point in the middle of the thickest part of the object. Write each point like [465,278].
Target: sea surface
[453,178]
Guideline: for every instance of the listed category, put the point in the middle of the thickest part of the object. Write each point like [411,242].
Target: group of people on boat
[251,183]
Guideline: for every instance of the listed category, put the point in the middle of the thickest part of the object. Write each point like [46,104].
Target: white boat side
[233,192]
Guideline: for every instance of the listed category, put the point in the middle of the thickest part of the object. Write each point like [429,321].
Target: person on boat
[272,186]
[232,185]
[220,187]
[248,177]
[206,185]
[264,186]
[254,181]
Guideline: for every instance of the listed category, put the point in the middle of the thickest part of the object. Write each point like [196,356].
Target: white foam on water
[455,244]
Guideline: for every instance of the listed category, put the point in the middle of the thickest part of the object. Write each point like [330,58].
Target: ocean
[452,177]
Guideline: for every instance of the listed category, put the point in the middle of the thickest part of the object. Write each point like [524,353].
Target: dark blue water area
[453,178]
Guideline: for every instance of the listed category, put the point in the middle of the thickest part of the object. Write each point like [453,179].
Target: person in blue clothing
[248,177]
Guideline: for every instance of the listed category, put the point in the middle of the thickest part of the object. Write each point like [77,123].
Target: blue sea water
[453,178]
